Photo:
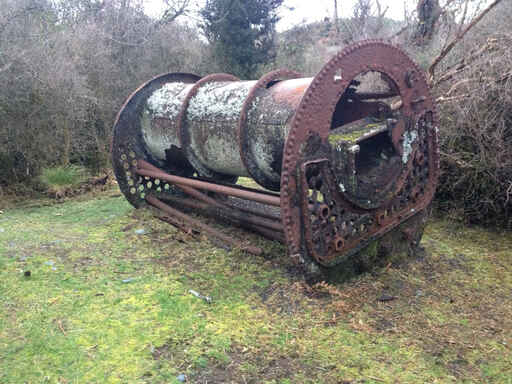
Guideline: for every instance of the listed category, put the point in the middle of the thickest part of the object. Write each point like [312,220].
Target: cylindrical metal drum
[208,130]
[353,151]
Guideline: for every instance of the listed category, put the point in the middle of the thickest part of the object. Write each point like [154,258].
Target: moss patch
[108,301]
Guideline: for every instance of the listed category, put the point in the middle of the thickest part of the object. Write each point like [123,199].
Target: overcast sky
[314,10]
[296,11]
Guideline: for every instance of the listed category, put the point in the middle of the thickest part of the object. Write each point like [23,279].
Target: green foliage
[242,33]
[62,176]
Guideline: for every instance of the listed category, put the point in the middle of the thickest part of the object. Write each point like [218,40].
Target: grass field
[108,301]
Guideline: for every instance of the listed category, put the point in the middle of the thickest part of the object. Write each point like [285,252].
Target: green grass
[62,176]
[104,304]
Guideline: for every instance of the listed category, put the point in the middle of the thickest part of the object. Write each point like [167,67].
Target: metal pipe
[207,199]
[248,195]
[230,212]
[254,211]
[276,235]
[206,228]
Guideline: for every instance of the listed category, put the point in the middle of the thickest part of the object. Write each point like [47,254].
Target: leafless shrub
[475,98]
[66,67]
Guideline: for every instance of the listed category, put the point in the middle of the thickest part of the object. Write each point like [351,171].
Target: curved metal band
[126,144]
[184,134]
[247,156]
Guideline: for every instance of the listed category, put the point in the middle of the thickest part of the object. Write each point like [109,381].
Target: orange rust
[290,91]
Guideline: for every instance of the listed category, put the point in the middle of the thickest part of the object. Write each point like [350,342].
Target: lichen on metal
[335,151]
[221,100]
[165,102]
[409,138]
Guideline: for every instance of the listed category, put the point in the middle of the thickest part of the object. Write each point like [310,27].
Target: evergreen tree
[242,33]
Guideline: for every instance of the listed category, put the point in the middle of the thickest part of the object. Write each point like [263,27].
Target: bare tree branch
[457,39]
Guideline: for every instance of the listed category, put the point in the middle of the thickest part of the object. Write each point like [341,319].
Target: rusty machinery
[344,159]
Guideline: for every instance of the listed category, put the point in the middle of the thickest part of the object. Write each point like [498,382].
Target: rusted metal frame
[375,95]
[206,228]
[272,234]
[251,219]
[389,220]
[243,139]
[357,109]
[228,211]
[188,190]
[182,127]
[404,215]
[310,207]
[254,196]
[331,241]
[207,209]
[311,117]
[232,212]
[253,211]
[207,199]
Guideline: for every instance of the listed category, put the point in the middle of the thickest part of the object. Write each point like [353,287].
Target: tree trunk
[336,25]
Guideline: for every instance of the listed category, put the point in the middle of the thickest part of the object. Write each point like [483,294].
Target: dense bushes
[66,68]
[476,134]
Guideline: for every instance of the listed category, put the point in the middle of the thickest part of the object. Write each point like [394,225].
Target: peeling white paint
[409,139]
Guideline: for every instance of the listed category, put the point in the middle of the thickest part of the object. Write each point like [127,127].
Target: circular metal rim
[127,133]
[303,124]
[184,134]
[246,155]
